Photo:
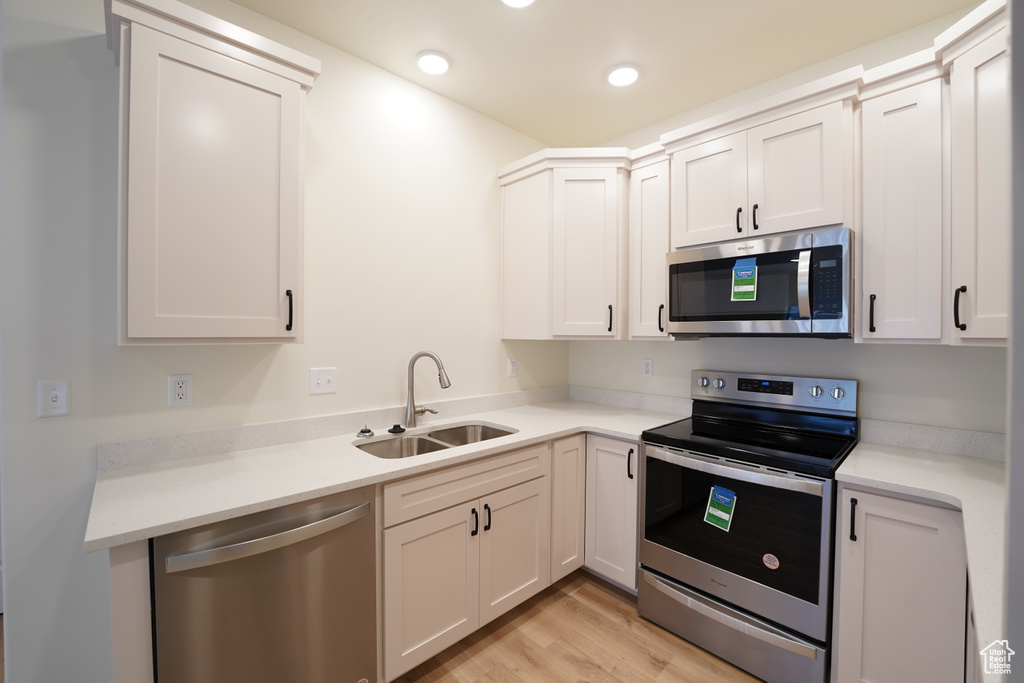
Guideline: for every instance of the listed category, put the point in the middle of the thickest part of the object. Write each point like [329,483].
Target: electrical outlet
[179,390]
[647,367]
[323,380]
[52,398]
[512,367]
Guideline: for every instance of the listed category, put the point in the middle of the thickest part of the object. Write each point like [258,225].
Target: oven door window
[702,291]
[773,537]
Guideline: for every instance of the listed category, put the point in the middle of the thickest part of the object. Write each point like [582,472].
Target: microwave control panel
[827,282]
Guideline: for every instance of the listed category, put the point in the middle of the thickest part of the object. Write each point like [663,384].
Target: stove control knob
[838,393]
[816,391]
[703,382]
[719,383]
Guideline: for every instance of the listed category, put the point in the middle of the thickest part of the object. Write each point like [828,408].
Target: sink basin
[402,446]
[417,444]
[464,434]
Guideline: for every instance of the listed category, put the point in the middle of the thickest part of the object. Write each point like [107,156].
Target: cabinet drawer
[417,496]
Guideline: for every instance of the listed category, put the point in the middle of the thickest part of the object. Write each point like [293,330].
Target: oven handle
[803,283]
[742,625]
[742,474]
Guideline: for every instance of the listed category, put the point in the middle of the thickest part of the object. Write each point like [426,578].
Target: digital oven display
[765,386]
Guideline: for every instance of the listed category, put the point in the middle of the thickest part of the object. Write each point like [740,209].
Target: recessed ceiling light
[433,62]
[517,3]
[624,74]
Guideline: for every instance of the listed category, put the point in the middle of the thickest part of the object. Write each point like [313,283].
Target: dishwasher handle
[237,551]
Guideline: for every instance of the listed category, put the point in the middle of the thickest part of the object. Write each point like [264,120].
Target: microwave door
[766,293]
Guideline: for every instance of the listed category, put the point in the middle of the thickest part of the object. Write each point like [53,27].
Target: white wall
[402,254]
[1014,566]
[963,388]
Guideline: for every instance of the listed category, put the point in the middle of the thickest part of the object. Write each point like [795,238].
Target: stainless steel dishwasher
[282,595]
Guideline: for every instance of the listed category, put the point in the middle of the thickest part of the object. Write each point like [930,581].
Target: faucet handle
[423,409]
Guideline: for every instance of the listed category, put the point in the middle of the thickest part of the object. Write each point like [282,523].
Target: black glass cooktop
[800,442]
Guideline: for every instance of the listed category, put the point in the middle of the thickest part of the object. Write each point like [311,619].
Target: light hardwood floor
[579,629]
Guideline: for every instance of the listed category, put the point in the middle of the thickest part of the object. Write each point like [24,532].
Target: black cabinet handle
[629,463]
[871,314]
[754,217]
[476,523]
[853,519]
[609,317]
[288,293]
[956,307]
[487,509]
[661,313]
[738,212]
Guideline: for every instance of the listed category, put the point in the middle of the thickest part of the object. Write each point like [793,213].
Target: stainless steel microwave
[792,284]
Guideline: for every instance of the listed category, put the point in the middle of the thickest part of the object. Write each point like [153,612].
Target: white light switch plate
[323,380]
[53,398]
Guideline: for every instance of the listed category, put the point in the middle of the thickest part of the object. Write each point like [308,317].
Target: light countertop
[135,503]
[976,486]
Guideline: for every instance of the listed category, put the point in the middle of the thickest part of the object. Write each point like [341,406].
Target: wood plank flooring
[579,629]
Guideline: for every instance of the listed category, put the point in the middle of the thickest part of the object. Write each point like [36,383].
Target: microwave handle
[803,283]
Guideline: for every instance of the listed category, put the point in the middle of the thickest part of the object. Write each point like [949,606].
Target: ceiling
[541,70]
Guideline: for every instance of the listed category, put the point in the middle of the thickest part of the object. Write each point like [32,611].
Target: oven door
[759,539]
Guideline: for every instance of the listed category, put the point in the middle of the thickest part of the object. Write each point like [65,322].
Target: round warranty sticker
[770,561]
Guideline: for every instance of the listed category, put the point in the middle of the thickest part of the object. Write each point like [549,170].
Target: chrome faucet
[411,409]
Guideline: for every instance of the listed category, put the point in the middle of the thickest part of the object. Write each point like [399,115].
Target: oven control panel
[833,396]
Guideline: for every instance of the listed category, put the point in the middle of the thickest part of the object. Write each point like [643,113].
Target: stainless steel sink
[402,446]
[408,445]
[464,434]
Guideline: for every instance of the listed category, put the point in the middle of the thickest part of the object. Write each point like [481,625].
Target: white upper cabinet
[587,228]
[785,174]
[797,170]
[901,230]
[979,84]
[709,191]
[564,242]
[648,244]
[211,205]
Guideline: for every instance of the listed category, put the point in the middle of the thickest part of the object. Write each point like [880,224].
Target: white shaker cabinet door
[796,175]
[585,252]
[568,504]
[648,245]
[901,233]
[901,591]
[612,468]
[214,195]
[981,193]
[515,546]
[709,192]
[431,585]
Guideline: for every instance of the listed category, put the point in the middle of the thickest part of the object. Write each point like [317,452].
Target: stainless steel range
[736,519]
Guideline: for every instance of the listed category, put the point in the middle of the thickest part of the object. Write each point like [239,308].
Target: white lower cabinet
[568,504]
[450,571]
[612,467]
[901,591]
